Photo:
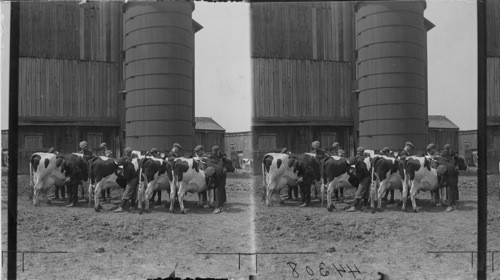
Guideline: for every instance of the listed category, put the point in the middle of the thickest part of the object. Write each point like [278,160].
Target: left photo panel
[134,142]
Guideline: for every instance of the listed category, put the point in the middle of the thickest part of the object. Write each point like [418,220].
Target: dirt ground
[111,245]
[391,242]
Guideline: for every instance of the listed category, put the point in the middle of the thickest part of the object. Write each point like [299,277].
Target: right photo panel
[364,138]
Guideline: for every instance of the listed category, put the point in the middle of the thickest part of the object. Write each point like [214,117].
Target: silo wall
[159,74]
[391,41]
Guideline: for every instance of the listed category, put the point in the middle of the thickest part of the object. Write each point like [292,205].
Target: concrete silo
[391,39]
[159,74]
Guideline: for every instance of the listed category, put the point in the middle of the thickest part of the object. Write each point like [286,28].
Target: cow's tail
[264,174]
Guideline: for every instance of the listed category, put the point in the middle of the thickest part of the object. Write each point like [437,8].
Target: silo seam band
[384,12]
[161,12]
[361,90]
[385,73]
[158,43]
[383,134]
[392,56]
[159,57]
[392,103]
[383,42]
[302,59]
[159,104]
[389,119]
[159,26]
[129,90]
[155,135]
[162,120]
[398,25]
[157,74]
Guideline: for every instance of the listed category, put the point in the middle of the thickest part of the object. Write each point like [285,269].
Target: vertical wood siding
[70,31]
[493,87]
[57,88]
[302,89]
[493,28]
[322,31]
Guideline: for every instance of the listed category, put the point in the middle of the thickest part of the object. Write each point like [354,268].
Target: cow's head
[227,164]
[460,162]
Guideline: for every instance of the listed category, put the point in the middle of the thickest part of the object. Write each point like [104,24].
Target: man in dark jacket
[216,157]
[102,149]
[130,192]
[363,176]
[406,150]
[174,153]
[62,188]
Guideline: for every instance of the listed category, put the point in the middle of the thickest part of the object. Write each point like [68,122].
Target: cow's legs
[91,193]
[279,186]
[373,194]
[150,190]
[173,189]
[405,194]
[329,192]
[181,194]
[413,193]
[382,191]
[97,191]
[270,191]
[140,196]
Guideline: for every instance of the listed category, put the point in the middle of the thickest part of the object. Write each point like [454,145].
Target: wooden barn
[493,84]
[208,133]
[442,131]
[303,75]
[70,76]
[239,146]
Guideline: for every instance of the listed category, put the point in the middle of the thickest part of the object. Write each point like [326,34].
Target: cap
[209,172]
[198,148]
[83,144]
[51,150]
[409,144]
[108,153]
[430,146]
[447,146]
[360,149]
[283,151]
[336,144]
[103,144]
[153,151]
[385,149]
[127,150]
[177,145]
[315,144]
[215,148]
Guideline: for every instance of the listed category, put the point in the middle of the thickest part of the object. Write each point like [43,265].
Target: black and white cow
[105,173]
[278,172]
[156,174]
[418,176]
[188,178]
[385,177]
[336,173]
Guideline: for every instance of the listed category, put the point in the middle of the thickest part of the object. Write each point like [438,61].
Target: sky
[223,64]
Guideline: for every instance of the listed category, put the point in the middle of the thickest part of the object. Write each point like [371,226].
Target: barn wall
[64,139]
[493,84]
[302,89]
[493,28]
[66,30]
[242,143]
[5,139]
[59,89]
[440,137]
[298,139]
[319,31]
[208,139]
[493,88]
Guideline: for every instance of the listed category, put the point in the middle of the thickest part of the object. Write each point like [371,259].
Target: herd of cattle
[178,177]
[410,175]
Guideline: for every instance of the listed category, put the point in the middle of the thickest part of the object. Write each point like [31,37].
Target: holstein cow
[308,170]
[336,174]
[104,173]
[385,177]
[46,170]
[418,176]
[156,174]
[188,178]
[277,172]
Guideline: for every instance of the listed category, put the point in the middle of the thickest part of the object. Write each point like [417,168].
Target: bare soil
[110,245]
[391,242]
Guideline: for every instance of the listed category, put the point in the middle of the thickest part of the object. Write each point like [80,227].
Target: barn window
[33,141]
[94,140]
[267,142]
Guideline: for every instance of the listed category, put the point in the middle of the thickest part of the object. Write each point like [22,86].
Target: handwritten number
[293,266]
[339,271]
[321,267]
[309,271]
[353,271]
